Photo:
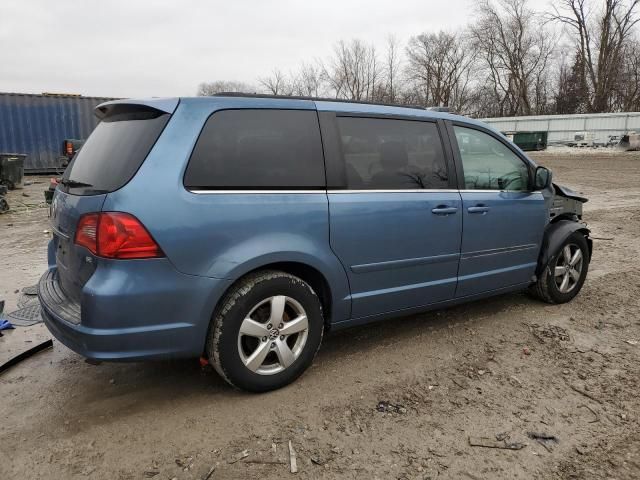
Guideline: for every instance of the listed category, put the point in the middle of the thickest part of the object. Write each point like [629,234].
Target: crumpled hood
[567,192]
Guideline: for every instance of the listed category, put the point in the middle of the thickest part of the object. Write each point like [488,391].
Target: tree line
[579,56]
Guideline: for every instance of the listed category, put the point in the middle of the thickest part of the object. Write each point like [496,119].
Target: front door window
[488,164]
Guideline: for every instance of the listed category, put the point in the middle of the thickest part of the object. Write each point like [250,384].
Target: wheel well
[310,275]
[564,216]
[555,234]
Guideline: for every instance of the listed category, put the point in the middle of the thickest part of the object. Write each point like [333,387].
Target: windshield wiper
[73,183]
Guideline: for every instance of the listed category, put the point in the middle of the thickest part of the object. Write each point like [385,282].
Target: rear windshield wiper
[73,183]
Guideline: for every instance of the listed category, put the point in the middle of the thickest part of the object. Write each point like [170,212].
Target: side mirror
[542,178]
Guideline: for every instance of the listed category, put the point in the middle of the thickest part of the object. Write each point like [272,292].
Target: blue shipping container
[36,125]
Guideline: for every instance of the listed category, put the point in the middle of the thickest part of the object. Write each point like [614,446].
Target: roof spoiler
[165,105]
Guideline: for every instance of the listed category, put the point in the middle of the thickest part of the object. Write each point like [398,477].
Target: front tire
[266,331]
[565,272]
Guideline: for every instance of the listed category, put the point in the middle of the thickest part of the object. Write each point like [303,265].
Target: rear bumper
[133,311]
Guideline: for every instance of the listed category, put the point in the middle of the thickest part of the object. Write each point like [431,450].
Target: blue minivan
[242,227]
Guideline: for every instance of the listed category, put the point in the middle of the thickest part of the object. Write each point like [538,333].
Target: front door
[503,221]
[397,226]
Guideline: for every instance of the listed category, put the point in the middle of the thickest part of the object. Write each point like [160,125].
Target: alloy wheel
[568,268]
[273,335]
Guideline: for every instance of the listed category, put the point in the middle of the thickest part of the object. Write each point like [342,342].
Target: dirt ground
[500,368]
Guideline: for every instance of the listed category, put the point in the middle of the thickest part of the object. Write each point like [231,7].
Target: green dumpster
[528,141]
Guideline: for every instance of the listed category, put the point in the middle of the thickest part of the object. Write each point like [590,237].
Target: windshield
[114,152]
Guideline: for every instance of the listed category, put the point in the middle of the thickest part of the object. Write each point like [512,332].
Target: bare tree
[439,67]
[627,86]
[505,63]
[514,49]
[276,84]
[392,70]
[211,88]
[354,72]
[309,81]
[600,35]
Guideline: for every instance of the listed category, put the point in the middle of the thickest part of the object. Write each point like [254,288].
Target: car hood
[567,192]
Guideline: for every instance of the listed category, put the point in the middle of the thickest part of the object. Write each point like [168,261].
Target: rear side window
[258,150]
[388,154]
[115,150]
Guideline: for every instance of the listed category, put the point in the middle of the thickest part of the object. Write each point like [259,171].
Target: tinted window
[392,154]
[258,149]
[114,151]
[488,164]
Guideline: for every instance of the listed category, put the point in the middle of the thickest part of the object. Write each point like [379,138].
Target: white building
[562,128]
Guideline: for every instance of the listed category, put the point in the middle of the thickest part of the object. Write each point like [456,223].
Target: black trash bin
[12,169]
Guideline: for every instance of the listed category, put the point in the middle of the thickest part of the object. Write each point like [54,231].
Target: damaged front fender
[566,204]
[554,237]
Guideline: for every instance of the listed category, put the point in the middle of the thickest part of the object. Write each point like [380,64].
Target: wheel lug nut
[281,337]
[281,325]
[264,339]
[269,326]
[273,345]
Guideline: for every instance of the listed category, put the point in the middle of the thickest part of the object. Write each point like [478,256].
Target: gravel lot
[502,367]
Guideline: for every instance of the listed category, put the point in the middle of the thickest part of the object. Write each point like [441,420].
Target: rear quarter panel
[225,235]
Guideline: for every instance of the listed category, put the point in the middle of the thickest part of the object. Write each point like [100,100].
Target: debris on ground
[496,443]
[586,394]
[239,456]
[632,342]
[185,463]
[515,381]
[31,290]
[207,475]
[26,354]
[258,461]
[544,439]
[595,414]
[388,407]
[26,316]
[549,332]
[292,459]
[5,324]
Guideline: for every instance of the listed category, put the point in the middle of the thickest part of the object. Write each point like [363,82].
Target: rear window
[258,150]
[115,150]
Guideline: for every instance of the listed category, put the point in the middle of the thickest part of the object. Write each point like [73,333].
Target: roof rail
[318,99]
[439,109]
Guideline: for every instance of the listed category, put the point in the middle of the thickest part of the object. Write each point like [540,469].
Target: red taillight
[116,235]
[87,231]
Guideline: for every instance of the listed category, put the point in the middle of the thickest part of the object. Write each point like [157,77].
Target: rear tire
[565,272]
[266,331]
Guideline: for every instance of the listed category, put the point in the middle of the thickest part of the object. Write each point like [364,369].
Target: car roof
[169,105]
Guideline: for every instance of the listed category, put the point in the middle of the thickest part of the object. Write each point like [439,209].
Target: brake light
[87,231]
[116,235]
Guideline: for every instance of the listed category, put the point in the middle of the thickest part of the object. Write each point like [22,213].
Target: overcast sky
[127,48]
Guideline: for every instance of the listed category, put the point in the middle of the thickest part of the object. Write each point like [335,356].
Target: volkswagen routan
[241,228]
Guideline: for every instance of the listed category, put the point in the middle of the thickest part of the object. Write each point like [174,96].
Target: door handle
[444,210]
[478,209]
